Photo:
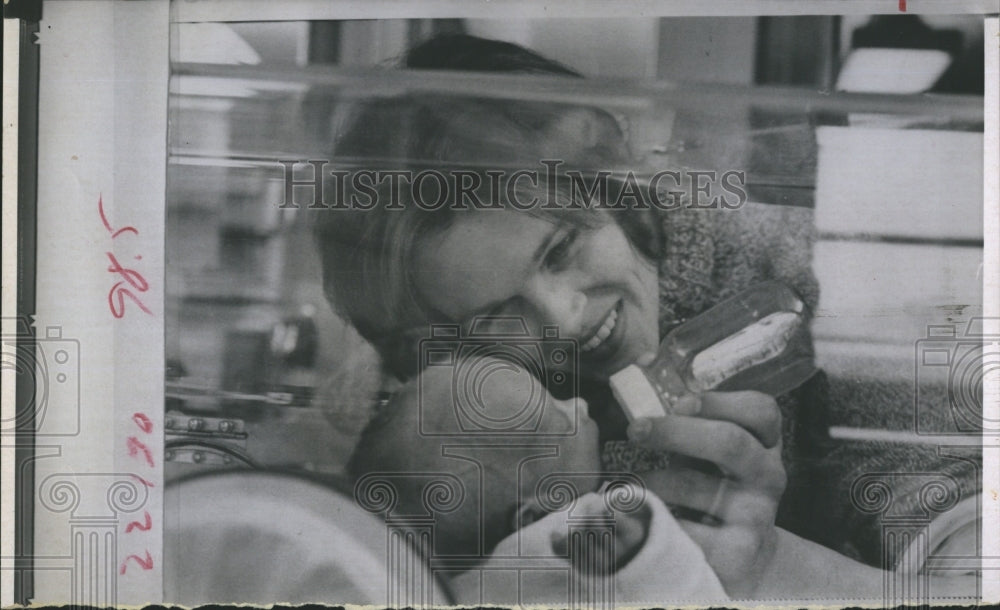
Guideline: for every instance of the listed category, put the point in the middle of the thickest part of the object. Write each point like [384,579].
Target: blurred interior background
[254,352]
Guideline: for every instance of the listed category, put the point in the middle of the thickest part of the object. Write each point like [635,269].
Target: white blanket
[532,566]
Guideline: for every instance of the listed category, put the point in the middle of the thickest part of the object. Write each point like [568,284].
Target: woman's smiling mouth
[603,331]
[601,349]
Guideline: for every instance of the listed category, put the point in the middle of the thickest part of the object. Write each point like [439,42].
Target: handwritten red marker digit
[118,292]
[107,225]
[144,423]
[144,526]
[142,480]
[118,307]
[145,564]
[130,282]
[136,446]
[131,276]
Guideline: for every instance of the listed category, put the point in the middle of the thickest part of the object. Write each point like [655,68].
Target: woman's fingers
[688,488]
[753,411]
[740,433]
[726,501]
[737,452]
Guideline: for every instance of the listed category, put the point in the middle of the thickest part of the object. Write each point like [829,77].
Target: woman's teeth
[603,332]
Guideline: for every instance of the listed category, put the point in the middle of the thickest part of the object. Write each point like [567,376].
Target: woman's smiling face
[587,280]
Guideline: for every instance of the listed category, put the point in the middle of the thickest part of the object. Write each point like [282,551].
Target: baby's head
[499,441]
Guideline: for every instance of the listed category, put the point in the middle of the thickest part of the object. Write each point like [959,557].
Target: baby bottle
[756,340]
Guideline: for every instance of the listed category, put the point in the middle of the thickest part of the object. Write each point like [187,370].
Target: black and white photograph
[657,305]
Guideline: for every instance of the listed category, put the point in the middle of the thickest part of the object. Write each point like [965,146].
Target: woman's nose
[559,303]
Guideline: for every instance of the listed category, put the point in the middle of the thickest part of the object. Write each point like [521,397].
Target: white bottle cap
[636,395]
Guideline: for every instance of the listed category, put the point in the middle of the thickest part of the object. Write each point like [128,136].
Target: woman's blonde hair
[366,254]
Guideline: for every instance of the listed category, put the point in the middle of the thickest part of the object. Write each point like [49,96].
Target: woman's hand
[740,433]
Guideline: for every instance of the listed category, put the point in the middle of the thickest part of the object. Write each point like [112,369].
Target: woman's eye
[558,254]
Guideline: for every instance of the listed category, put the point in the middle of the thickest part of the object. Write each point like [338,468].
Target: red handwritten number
[902,6]
[136,446]
[119,292]
[142,480]
[129,275]
[144,526]
[134,279]
[129,282]
[107,225]
[143,422]
[145,564]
